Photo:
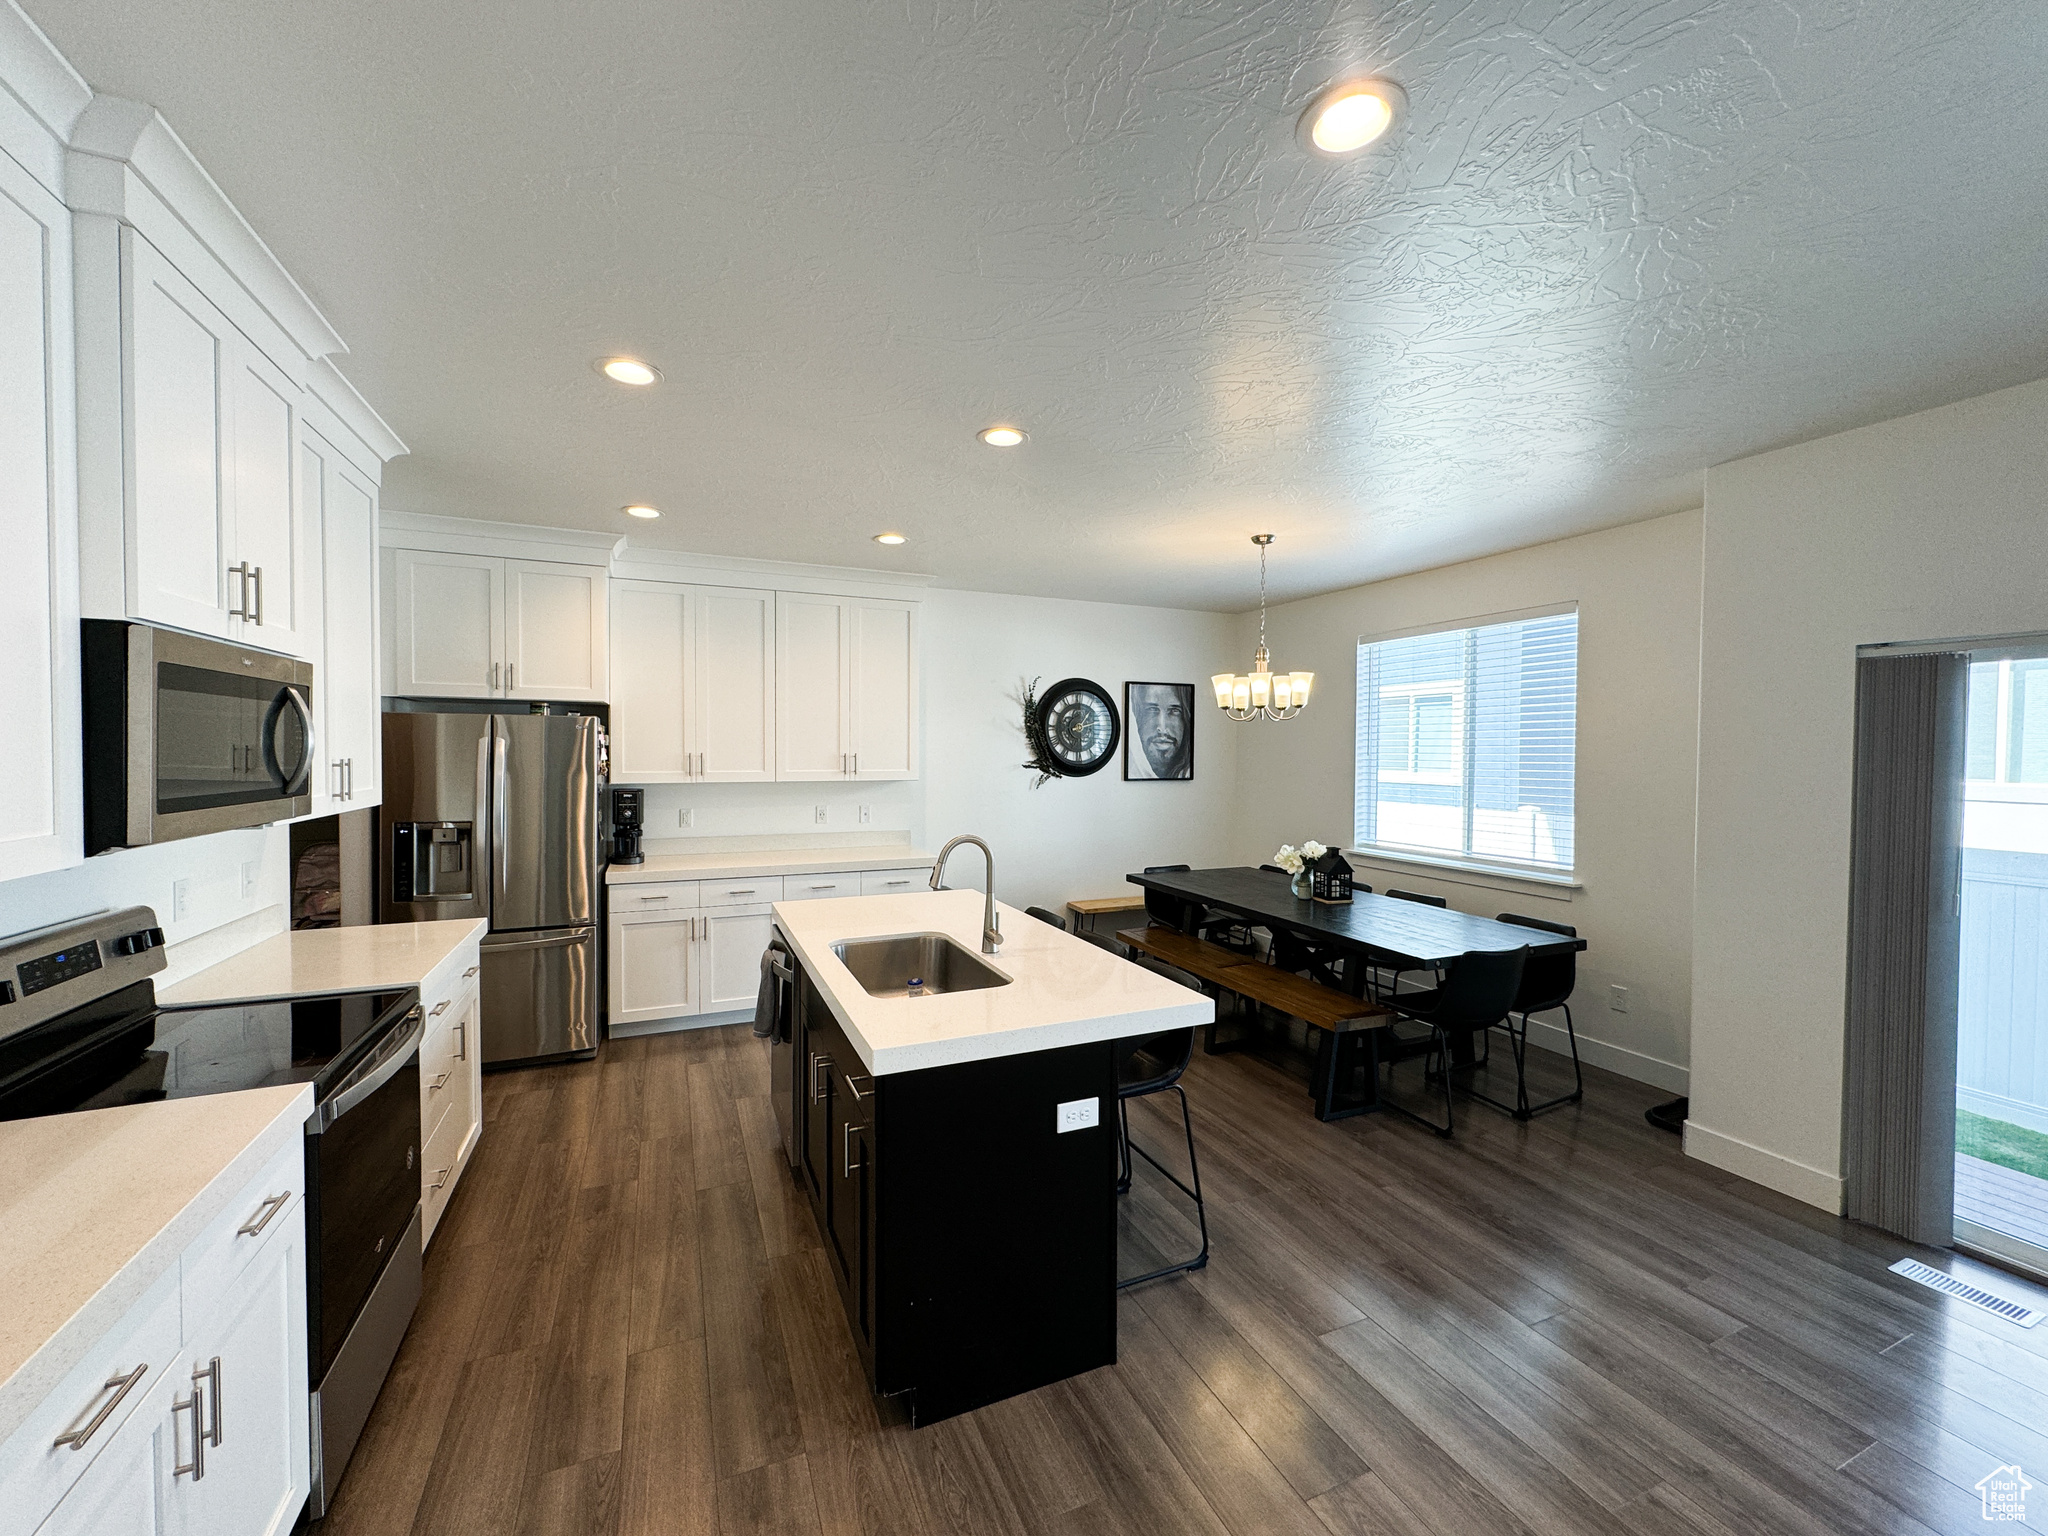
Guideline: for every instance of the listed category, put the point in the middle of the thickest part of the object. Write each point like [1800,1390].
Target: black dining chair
[1047,917]
[1547,983]
[1477,991]
[1223,928]
[1145,1065]
[1386,980]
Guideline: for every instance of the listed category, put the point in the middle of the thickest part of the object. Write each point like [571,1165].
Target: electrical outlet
[1617,999]
[683,817]
[1078,1115]
[818,814]
[181,900]
[866,814]
[248,879]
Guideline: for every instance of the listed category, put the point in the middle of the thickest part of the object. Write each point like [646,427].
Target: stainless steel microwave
[185,736]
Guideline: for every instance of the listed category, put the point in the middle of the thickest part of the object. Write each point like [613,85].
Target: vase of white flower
[1296,862]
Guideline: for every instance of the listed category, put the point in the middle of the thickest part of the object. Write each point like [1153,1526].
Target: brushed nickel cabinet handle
[494,677]
[853,1086]
[470,972]
[439,1079]
[856,765]
[212,1373]
[511,670]
[846,1162]
[241,608]
[264,1214]
[438,1182]
[256,573]
[817,1061]
[120,1386]
[440,1008]
[196,1467]
[462,1039]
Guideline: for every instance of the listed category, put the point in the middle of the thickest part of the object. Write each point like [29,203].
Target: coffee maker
[628,815]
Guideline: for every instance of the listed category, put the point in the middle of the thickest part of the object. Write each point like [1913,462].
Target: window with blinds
[1466,740]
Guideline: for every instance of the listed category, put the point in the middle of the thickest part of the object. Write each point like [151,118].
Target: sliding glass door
[2001,1198]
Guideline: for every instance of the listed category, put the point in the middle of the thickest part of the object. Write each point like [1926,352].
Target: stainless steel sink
[921,963]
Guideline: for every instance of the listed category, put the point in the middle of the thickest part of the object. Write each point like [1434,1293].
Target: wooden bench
[1093,907]
[1336,1016]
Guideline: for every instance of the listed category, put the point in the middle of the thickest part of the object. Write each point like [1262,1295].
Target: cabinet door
[177,379]
[734,940]
[348,673]
[38,509]
[556,642]
[651,624]
[129,1483]
[271,549]
[448,625]
[884,689]
[255,1401]
[732,685]
[813,666]
[653,965]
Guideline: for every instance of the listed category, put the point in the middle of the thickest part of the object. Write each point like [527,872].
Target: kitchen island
[957,1138]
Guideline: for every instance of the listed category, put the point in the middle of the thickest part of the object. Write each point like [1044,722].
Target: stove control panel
[53,970]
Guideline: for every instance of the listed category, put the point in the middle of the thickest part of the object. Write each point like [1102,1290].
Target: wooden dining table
[1369,931]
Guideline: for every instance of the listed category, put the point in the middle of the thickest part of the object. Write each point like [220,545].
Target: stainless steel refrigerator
[496,816]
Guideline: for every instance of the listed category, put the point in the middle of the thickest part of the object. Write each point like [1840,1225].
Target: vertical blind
[1466,741]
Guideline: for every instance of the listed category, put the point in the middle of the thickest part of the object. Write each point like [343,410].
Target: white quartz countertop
[97,1206]
[1062,990]
[368,959]
[767,861]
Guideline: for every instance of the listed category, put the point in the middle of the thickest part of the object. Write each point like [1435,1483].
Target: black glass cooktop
[128,1052]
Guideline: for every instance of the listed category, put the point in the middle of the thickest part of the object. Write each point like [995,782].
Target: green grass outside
[1995,1141]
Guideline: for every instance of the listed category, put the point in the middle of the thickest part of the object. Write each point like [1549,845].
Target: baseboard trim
[1773,1170]
[1619,1059]
[678,1025]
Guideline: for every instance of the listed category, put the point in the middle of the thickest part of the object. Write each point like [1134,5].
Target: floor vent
[2000,1306]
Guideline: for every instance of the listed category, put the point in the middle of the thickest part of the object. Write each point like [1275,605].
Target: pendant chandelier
[1263,694]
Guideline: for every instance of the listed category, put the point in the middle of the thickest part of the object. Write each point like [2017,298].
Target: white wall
[219,918]
[1073,837]
[1638,594]
[1933,526]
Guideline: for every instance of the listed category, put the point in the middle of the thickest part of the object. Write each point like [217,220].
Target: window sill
[1558,887]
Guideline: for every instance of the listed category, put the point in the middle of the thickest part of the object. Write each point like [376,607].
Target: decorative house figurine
[1332,884]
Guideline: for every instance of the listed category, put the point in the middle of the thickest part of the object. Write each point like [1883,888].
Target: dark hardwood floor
[629,1330]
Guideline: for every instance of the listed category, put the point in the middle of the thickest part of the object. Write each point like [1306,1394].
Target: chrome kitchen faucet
[991,934]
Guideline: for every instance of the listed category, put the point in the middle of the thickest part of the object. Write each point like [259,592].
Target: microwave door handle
[372,1074]
[301,778]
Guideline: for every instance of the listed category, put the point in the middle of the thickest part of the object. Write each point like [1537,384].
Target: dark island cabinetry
[974,1242]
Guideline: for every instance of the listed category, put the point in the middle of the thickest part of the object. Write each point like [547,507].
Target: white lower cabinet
[191,1416]
[670,957]
[451,1081]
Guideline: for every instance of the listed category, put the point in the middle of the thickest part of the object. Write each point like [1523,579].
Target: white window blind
[1466,740]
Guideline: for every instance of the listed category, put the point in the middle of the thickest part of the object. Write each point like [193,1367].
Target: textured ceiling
[1613,244]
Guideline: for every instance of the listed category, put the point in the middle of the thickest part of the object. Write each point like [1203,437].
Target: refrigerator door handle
[498,798]
[581,936]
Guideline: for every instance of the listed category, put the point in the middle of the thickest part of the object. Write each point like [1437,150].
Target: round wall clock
[1080,726]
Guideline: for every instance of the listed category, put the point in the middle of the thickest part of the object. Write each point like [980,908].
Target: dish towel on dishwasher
[769,1004]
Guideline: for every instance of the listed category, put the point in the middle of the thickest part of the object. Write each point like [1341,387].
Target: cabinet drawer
[440,992]
[440,1163]
[445,1077]
[818,887]
[741,893]
[115,1376]
[628,901]
[266,1205]
[894,882]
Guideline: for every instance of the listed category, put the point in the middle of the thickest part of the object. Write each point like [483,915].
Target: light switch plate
[1617,998]
[1078,1115]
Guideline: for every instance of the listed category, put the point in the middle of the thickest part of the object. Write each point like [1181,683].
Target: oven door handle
[372,1074]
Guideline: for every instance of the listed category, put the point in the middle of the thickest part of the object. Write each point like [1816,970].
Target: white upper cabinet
[884,689]
[846,696]
[341,505]
[482,627]
[214,542]
[693,684]
[38,512]
[813,703]
[448,637]
[556,645]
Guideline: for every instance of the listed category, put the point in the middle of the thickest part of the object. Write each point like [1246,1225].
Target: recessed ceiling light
[629,370]
[890,538]
[1348,117]
[1001,437]
[641,510]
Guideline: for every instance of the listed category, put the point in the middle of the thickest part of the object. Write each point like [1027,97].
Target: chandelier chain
[1262,597]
